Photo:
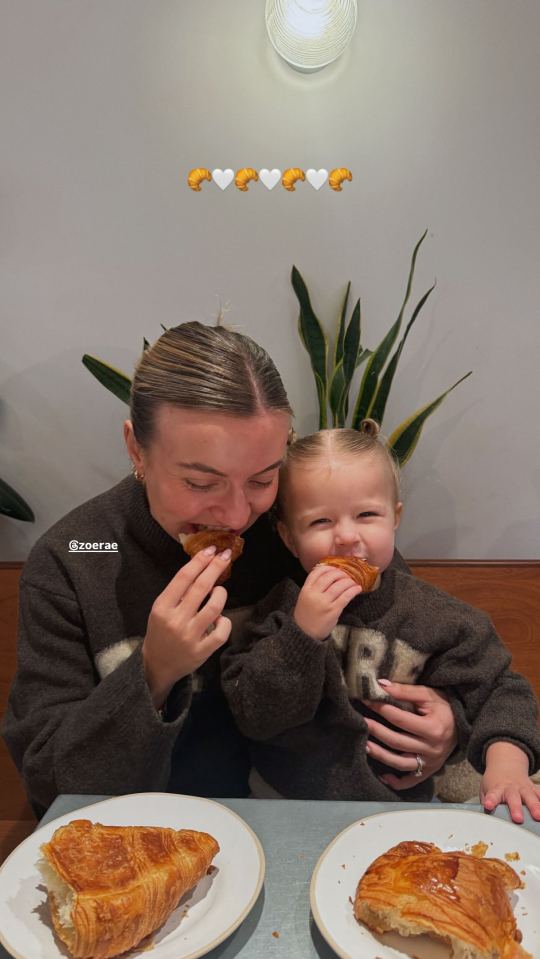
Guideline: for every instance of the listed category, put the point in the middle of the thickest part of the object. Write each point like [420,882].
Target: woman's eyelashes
[206,487]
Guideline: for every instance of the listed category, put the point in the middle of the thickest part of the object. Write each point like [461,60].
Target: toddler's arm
[274,671]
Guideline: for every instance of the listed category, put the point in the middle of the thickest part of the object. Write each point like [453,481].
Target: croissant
[358,569]
[221,538]
[290,177]
[196,177]
[243,177]
[458,899]
[337,177]
[110,886]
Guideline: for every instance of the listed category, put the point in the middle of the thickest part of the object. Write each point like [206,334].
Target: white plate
[203,918]
[345,860]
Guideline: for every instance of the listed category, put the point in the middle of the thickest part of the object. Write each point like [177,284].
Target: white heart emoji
[317,178]
[269,178]
[222,178]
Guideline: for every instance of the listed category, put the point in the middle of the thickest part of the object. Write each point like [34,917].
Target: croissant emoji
[358,569]
[220,538]
[416,888]
[110,886]
[290,177]
[196,177]
[337,177]
[243,177]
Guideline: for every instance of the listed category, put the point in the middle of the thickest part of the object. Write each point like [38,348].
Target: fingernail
[368,748]
[384,682]
[226,554]
[209,550]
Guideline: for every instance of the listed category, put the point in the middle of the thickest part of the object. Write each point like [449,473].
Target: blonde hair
[193,366]
[362,442]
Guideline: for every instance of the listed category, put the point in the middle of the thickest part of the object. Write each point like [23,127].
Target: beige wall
[106,106]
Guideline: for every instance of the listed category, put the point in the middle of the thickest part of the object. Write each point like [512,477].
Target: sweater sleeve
[67,730]
[494,703]
[273,674]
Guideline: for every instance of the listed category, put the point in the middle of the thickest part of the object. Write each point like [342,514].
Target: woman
[117,687]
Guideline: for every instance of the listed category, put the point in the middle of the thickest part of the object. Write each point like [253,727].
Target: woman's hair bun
[370,428]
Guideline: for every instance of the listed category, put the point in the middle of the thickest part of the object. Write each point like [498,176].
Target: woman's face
[210,469]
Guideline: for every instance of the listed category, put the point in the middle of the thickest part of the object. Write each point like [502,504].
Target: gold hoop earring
[139,476]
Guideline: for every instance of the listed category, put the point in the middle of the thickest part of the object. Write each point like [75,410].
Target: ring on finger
[420,762]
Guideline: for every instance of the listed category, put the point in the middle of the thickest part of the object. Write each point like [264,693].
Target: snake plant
[333,380]
[12,504]
[110,377]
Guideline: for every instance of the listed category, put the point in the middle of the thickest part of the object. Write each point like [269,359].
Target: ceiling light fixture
[310,34]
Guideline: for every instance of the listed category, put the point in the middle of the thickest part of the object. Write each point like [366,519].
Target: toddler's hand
[514,790]
[324,595]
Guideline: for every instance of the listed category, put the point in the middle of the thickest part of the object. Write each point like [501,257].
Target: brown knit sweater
[80,718]
[299,700]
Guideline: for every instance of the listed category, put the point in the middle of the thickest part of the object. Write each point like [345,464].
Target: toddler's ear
[398,510]
[283,531]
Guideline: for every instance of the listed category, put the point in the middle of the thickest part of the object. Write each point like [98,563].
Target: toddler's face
[341,507]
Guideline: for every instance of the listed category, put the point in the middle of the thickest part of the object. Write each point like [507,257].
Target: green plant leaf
[13,505]
[340,336]
[351,351]
[314,340]
[335,393]
[378,406]
[363,355]
[321,396]
[404,439]
[370,380]
[113,379]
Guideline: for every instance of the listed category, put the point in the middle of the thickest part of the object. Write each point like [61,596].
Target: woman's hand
[179,637]
[423,740]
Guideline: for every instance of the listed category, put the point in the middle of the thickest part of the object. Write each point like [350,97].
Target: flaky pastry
[358,569]
[220,538]
[110,886]
[454,897]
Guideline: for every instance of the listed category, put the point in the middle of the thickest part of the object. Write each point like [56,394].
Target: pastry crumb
[479,849]
[511,856]
[343,865]
[276,934]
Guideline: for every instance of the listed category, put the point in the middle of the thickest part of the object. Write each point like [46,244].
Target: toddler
[301,673]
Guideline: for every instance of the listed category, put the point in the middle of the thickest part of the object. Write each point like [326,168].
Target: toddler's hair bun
[370,428]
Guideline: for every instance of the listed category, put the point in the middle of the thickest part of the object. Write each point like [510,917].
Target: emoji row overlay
[269,178]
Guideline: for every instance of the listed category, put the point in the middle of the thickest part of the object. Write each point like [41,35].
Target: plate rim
[321,926]
[199,951]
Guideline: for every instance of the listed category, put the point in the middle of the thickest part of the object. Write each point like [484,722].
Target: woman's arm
[67,730]
[87,721]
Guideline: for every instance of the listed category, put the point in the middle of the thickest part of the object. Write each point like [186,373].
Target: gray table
[293,835]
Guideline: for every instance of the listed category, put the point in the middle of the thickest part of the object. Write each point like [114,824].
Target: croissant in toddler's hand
[220,538]
[110,886]
[358,569]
